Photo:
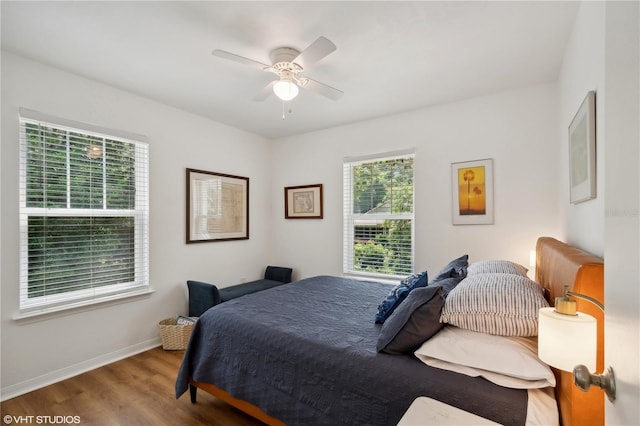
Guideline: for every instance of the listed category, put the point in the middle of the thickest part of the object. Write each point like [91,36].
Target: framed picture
[303,202]
[582,151]
[472,186]
[217,207]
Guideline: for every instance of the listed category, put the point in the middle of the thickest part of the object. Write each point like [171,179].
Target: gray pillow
[413,322]
[455,268]
[447,284]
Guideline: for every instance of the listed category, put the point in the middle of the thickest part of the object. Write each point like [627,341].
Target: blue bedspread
[305,353]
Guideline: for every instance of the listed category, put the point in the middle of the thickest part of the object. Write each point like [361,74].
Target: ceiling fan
[288,64]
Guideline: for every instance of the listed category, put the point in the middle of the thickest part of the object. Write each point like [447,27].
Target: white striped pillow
[496,267]
[500,304]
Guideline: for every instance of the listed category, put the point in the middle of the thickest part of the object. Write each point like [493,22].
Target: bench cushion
[278,273]
[238,290]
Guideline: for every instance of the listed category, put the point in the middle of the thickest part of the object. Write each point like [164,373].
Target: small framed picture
[472,185]
[303,202]
[582,151]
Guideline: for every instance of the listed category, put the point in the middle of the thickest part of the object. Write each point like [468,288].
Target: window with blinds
[378,215]
[84,212]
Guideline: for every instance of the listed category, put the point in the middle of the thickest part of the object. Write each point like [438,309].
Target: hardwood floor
[135,391]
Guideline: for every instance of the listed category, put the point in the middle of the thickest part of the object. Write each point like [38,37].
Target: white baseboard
[73,370]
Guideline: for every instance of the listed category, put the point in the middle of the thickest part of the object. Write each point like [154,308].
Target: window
[378,215]
[84,212]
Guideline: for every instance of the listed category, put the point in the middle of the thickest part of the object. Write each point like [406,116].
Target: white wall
[518,129]
[622,202]
[602,55]
[524,131]
[35,353]
[582,71]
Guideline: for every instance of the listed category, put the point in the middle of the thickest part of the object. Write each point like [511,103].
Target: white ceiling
[391,57]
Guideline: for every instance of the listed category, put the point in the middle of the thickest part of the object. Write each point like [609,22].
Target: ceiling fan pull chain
[288,107]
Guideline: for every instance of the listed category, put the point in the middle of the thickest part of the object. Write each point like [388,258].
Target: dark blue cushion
[278,273]
[455,268]
[417,318]
[447,284]
[238,290]
[202,296]
[413,322]
[398,294]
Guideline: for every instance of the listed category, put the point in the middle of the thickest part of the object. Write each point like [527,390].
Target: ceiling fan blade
[316,51]
[321,88]
[240,59]
[264,93]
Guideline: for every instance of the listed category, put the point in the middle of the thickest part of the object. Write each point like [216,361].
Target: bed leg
[193,390]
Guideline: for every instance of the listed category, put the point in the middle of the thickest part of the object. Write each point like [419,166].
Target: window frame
[349,217]
[29,306]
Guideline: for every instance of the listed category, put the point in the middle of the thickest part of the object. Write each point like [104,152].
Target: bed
[305,353]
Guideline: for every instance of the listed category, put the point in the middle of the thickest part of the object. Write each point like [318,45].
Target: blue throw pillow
[398,294]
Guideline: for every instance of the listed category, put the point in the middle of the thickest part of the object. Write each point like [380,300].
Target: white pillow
[502,304]
[496,267]
[506,361]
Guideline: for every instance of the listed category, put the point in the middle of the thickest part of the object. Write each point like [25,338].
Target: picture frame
[303,202]
[582,151]
[217,207]
[472,192]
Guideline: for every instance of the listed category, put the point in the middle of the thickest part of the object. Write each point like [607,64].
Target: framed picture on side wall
[303,202]
[472,187]
[582,151]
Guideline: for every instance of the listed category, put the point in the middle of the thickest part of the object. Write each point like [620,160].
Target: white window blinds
[84,213]
[378,215]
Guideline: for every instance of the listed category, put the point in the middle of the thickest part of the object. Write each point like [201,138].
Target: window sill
[27,317]
[377,278]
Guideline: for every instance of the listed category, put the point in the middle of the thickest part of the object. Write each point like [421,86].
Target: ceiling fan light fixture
[285,89]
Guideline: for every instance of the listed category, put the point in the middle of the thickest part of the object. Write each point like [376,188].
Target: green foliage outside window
[58,245]
[81,230]
[384,185]
[382,194]
[61,175]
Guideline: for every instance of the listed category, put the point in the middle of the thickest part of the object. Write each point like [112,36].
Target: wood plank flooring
[135,391]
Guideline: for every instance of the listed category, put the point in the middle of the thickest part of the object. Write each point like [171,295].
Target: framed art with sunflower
[472,190]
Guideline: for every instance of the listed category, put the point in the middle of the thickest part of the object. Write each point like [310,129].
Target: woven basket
[175,337]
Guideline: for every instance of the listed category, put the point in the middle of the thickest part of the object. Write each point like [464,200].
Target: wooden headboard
[559,264]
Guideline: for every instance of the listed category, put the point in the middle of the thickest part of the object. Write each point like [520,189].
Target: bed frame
[557,264]
[240,404]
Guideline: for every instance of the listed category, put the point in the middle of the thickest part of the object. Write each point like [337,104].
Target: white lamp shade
[565,341]
[285,89]
[532,258]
